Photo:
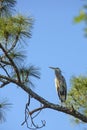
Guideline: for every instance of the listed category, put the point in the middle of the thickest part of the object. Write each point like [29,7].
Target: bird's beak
[52,68]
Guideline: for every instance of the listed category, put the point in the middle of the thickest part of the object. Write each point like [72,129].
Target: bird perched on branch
[60,84]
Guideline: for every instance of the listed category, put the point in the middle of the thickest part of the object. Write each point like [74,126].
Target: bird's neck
[58,75]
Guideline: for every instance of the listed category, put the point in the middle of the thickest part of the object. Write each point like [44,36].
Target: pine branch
[4,62]
[47,104]
[14,44]
[3,67]
[4,84]
[11,61]
[36,110]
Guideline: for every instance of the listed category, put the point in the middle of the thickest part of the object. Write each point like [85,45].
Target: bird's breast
[57,84]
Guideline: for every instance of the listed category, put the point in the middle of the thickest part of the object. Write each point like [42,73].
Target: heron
[60,84]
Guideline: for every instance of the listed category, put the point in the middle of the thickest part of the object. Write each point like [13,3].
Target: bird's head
[56,69]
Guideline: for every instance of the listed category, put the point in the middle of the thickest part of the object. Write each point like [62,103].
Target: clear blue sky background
[56,41]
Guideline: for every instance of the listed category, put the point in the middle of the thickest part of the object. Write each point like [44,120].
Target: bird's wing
[63,86]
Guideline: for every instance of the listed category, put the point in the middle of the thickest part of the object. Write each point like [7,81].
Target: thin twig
[4,62]
[11,61]
[14,44]
[4,84]
[30,114]
[4,69]
[26,111]
[37,109]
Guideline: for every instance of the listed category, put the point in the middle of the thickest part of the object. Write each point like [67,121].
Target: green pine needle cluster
[77,96]
[82,17]
[4,105]
[15,26]
[13,30]
[7,7]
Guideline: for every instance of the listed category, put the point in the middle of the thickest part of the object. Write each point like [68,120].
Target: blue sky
[56,41]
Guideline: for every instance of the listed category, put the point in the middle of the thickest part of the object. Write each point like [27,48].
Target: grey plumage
[60,84]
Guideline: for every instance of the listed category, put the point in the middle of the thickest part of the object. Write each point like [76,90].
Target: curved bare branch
[71,111]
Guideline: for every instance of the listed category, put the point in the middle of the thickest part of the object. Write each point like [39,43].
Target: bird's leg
[62,104]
